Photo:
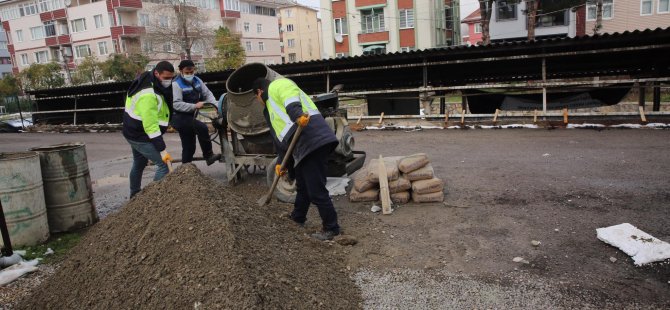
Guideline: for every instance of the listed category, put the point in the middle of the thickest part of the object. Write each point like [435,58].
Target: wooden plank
[535,116]
[446,119]
[384,194]
[565,115]
[642,116]
[381,119]
[462,117]
[495,116]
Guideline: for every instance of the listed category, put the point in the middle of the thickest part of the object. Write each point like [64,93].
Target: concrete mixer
[244,135]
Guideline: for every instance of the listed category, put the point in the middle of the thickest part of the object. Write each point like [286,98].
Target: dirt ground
[504,188]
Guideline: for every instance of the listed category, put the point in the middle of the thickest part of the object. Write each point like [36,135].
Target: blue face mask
[189,77]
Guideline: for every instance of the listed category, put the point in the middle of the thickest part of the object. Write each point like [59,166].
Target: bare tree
[180,24]
[531,10]
[599,16]
[485,8]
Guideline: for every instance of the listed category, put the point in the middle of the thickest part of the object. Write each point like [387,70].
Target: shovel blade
[264,200]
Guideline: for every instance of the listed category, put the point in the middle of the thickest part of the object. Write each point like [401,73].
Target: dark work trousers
[310,176]
[188,128]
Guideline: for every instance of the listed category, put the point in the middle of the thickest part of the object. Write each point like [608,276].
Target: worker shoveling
[187,241]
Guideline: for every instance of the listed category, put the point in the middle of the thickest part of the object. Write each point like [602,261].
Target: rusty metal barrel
[67,186]
[22,198]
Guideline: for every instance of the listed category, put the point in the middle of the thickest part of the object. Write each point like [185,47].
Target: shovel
[265,199]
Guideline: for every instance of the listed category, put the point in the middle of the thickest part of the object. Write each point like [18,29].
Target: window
[78,25]
[246,27]
[406,49]
[163,21]
[144,20]
[82,51]
[340,55]
[663,6]
[406,19]
[28,9]
[24,59]
[5,61]
[147,46]
[247,45]
[291,42]
[41,57]
[111,20]
[98,21]
[44,6]
[261,46]
[102,48]
[37,32]
[646,7]
[232,5]
[167,47]
[64,29]
[289,13]
[505,11]
[372,20]
[49,29]
[19,36]
[289,28]
[607,10]
[374,49]
[561,18]
[292,57]
[259,28]
[3,45]
[478,28]
[341,26]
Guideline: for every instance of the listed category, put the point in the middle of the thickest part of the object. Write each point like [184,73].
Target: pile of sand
[189,242]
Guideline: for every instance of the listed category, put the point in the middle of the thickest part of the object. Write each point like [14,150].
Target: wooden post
[381,119]
[656,105]
[565,115]
[359,119]
[462,117]
[642,98]
[535,116]
[544,88]
[443,104]
[495,116]
[642,116]
[446,118]
[384,194]
[75,111]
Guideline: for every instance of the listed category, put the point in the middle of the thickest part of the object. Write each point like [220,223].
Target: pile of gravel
[189,242]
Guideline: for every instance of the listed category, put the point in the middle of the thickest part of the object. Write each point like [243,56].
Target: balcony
[227,14]
[127,5]
[10,48]
[53,15]
[381,36]
[127,31]
[58,40]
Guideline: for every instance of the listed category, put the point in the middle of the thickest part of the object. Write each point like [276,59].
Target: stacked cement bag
[410,177]
[425,186]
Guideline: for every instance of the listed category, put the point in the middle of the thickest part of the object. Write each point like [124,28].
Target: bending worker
[145,120]
[286,107]
[189,94]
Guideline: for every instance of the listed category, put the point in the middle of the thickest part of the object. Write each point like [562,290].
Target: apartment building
[474,28]
[509,21]
[629,15]
[5,57]
[66,31]
[358,27]
[299,33]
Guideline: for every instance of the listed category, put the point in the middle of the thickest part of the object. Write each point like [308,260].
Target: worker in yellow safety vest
[145,120]
[286,107]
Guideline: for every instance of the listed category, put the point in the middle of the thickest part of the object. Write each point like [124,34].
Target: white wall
[517,28]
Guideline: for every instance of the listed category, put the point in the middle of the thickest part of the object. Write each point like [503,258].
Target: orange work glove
[278,170]
[303,120]
[166,157]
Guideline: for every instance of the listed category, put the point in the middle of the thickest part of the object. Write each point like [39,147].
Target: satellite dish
[338,38]
[67,2]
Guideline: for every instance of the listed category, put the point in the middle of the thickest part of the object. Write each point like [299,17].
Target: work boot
[290,218]
[325,235]
[212,159]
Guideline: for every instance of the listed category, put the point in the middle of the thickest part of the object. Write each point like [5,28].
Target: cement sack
[402,197]
[402,184]
[413,162]
[361,183]
[369,195]
[430,197]
[427,186]
[391,164]
[424,173]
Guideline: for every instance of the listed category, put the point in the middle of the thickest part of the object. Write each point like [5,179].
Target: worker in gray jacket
[189,94]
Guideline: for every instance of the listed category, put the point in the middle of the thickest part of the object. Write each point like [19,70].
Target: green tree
[229,51]
[41,76]
[88,71]
[9,86]
[123,68]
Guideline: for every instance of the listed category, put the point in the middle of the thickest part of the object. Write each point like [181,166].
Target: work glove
[303,120]
[278,170]
[166,157]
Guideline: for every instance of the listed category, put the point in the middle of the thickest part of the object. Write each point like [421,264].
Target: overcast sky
[467,6]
